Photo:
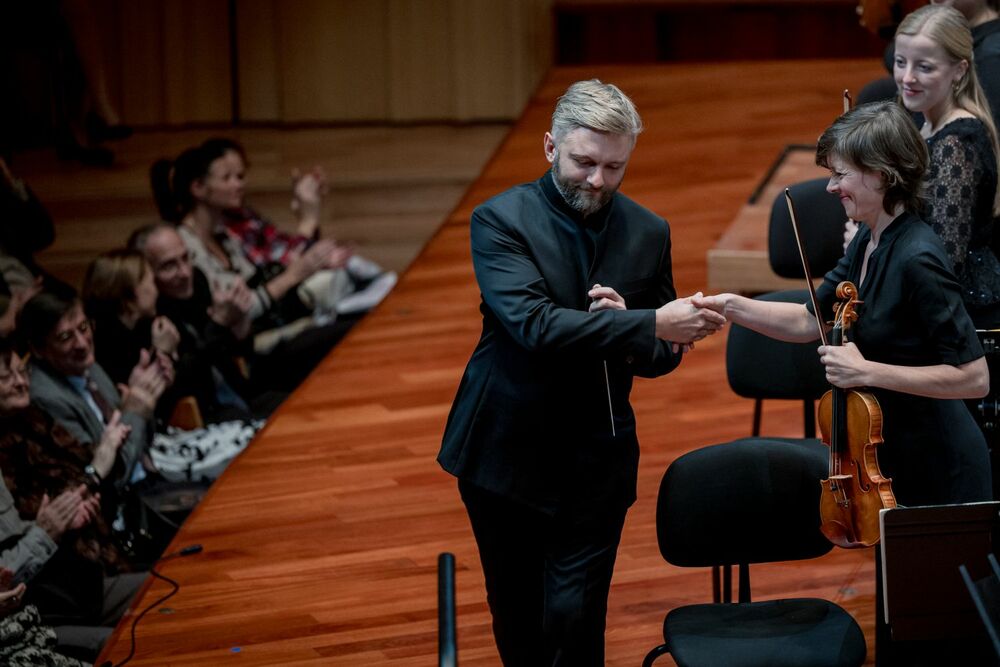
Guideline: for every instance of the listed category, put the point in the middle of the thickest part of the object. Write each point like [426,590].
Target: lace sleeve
[951,194]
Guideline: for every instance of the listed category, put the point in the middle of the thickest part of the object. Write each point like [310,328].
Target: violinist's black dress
[913,315]
[934,452]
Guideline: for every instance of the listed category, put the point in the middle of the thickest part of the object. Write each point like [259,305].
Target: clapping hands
[147,382]
[308,190]
[231,306]
[70,510]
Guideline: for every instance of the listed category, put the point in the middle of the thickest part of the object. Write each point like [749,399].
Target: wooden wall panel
[174,62]
[422,60]
[258,60]
[142,63]
[196,48]
[537,50]
[502,51]
[334,57]
[332,61]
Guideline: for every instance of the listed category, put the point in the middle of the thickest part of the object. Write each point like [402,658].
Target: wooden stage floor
[320,542]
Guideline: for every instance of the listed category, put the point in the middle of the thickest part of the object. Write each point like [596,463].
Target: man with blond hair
[577,299]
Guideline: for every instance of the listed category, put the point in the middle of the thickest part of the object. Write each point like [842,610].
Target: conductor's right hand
[681,322]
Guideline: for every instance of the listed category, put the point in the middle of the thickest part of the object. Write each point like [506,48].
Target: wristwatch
[94,477]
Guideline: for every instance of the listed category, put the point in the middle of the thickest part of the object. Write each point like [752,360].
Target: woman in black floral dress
[934,74]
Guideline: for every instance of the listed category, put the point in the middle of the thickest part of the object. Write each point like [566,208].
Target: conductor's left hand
[605,298]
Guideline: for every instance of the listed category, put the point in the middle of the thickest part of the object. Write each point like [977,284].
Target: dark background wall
[608,31]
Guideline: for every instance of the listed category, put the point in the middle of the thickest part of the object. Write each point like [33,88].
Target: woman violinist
[914,346]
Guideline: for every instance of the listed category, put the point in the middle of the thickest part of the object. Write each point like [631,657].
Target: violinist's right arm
[790,322]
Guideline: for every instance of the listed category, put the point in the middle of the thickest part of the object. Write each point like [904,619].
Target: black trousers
[547,578]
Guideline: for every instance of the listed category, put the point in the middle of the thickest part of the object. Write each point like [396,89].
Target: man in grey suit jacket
[577,299]
[68,384]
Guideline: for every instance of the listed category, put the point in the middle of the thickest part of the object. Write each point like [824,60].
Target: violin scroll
[844,310]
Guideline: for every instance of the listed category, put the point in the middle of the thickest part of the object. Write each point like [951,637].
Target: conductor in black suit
[577,299]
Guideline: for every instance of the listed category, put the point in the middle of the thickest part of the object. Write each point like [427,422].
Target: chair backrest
[821,220]
[746,501]
[762,367]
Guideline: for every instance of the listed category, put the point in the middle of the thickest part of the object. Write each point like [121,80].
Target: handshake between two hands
[682,322]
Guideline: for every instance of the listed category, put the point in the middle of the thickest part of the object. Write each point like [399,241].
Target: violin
[855,490]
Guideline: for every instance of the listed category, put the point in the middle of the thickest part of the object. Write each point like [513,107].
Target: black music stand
[922,548]
[986,410]
[985,594]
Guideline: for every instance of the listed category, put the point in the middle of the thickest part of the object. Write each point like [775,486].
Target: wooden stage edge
[321,540]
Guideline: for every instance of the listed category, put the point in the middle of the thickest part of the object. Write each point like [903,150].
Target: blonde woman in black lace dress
[935,76]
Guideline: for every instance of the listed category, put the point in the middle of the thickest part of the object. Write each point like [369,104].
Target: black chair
[762,368]
[759,367]
[744,502]
[821,223]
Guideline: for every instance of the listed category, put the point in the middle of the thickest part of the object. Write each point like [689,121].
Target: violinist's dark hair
[880,137]
[171,181]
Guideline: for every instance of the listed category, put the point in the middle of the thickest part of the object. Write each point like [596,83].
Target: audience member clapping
[268,247]
[195,191]
[296,276]
[67,382]
[119,296]
[55,510]
[214,326]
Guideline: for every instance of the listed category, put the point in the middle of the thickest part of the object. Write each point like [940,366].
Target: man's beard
[580,197]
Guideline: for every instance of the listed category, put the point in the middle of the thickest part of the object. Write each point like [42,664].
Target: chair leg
[727,583]
[744,594]
[809,418]
[654,654]
[757,405]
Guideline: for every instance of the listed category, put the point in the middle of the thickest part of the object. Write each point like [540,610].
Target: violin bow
[848,103]
[805,266]
[802,252]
